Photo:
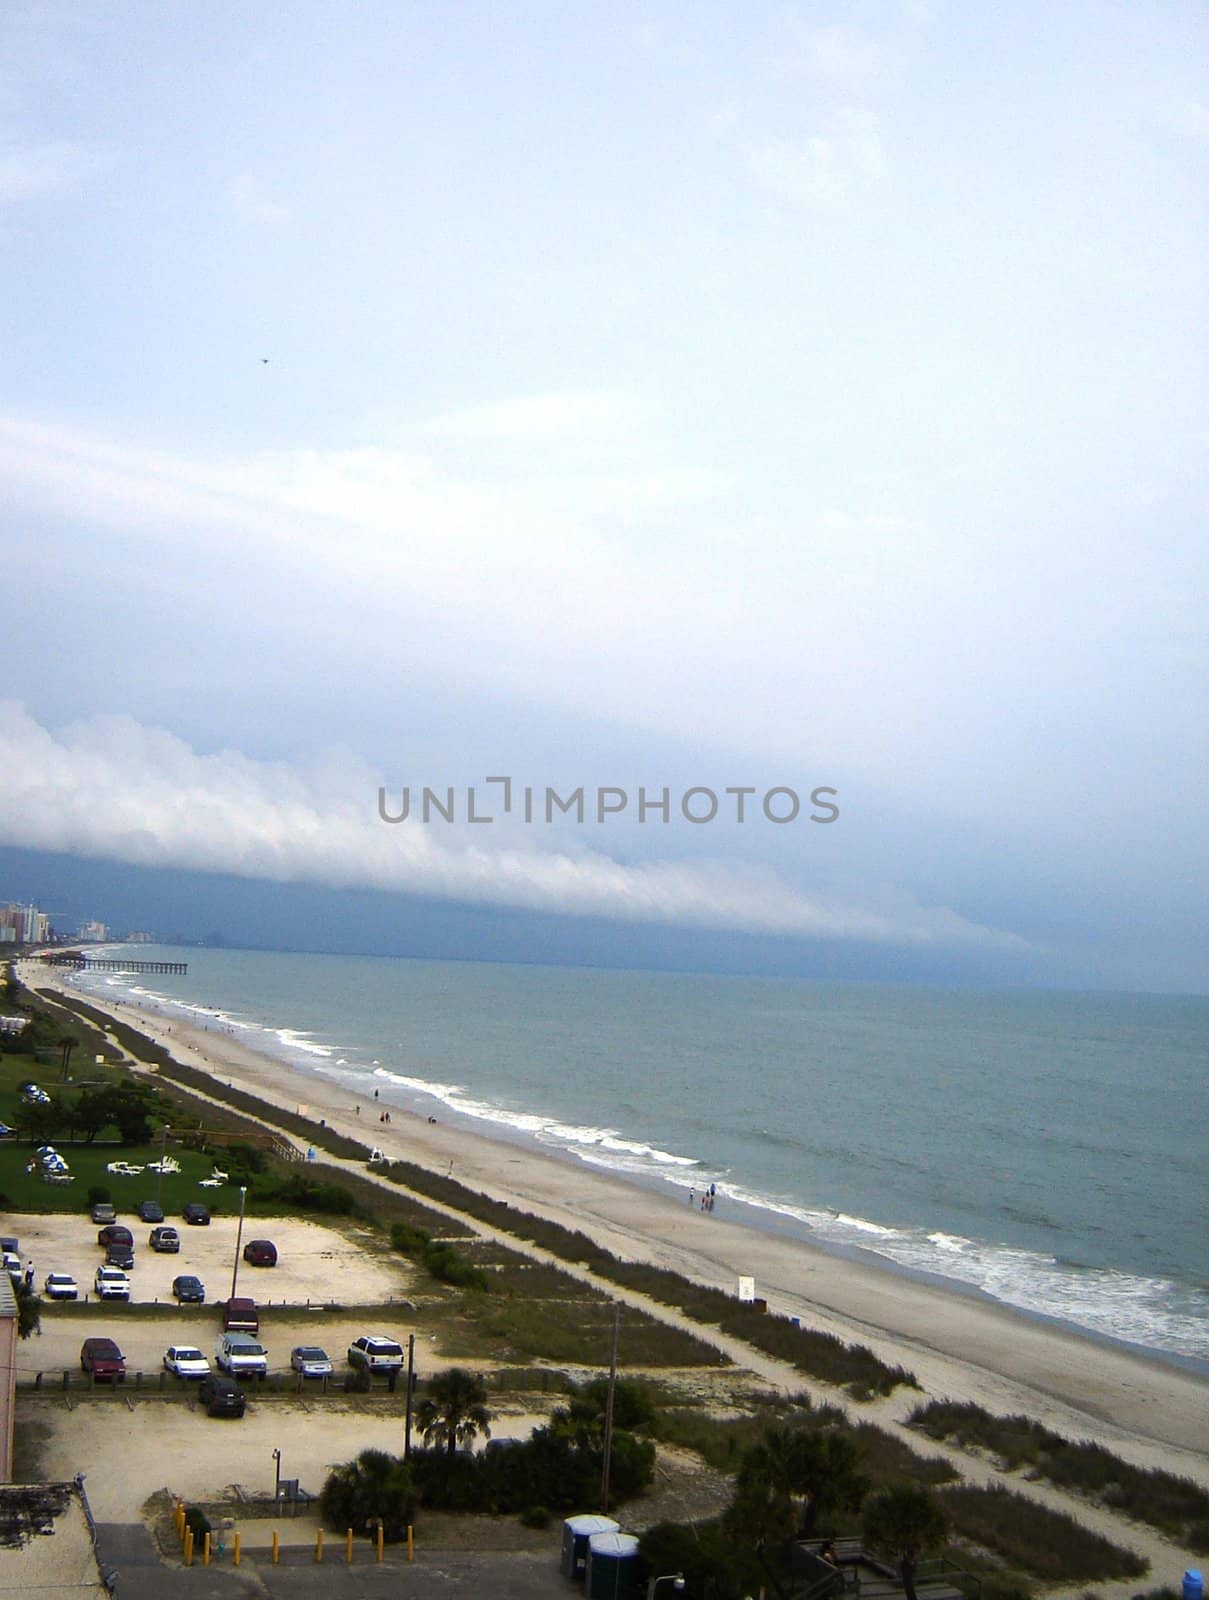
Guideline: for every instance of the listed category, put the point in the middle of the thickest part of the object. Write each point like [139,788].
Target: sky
[764,396]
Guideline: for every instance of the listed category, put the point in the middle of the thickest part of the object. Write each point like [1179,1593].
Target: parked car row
[217,1392]
[241,1354]
[197,1215]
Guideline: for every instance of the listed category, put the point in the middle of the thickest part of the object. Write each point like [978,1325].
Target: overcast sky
[646,394]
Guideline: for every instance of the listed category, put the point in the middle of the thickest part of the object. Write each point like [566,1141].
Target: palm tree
[794,1476]
[904,1522]
[374,1488]
[454,1411]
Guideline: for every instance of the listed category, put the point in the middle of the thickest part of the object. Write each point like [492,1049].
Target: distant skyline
[793,395]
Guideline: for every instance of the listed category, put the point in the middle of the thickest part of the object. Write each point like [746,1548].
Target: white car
[187,1361]
[377,1352]
[61,1286]
[12,1265]
[112,1284]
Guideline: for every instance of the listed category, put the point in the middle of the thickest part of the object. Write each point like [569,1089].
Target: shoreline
[960,1343]
[1023,1261]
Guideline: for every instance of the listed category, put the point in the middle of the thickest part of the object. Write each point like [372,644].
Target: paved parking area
[495,1575]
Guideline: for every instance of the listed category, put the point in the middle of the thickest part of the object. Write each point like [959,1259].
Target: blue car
[187,1288]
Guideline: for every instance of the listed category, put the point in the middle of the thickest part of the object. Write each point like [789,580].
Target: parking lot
[315,1264]
[130,1443]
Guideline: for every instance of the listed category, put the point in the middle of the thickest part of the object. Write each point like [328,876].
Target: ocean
[1047,1150]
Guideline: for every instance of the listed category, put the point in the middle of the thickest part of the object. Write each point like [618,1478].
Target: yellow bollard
[381,1539]
[348,1546]
[276,1546]
[206,1548]
[188,1547]
[236,1546]
[411,1544]
[319,1545]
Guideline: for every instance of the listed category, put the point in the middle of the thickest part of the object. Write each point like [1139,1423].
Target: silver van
[242,1356]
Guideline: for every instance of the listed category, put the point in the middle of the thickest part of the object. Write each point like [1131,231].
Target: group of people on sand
[707,1199]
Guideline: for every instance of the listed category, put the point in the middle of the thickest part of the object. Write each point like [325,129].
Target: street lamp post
[676,1579]
[243,1200]
[277,1483]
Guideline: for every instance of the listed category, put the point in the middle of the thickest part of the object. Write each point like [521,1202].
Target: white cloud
[563,414]
[825,168]
[255,206]
[838,54]
[113,789]
[1191,119]
[34,169]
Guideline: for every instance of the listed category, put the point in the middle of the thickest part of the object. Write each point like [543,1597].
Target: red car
[260,1253]
[115,1233]
[240,1316]
[103,1361]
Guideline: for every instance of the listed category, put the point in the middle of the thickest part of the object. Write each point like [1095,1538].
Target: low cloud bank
[112,789]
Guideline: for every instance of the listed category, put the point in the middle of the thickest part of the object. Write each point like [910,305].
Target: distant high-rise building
[28,925]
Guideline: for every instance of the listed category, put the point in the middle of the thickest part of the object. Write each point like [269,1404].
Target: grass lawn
[25,1191]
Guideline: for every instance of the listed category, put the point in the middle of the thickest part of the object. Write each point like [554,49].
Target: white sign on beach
[747,1288]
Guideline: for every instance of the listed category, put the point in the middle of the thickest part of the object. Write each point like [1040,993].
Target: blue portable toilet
[612,1569]
[576,1533]
[1194,1585]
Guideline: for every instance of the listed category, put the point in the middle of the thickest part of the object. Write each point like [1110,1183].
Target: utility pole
[608,1428]
[411,1363]
[243,1200]
[159,1182]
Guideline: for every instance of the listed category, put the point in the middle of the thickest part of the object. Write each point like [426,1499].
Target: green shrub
[440,1258]
[536,1517]
[408,1240]
[308,1194]
[712,1562]
[98,1192]
[374,1488]
[633,1407]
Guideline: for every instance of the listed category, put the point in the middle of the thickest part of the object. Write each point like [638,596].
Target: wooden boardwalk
[857,1571]
[78,960]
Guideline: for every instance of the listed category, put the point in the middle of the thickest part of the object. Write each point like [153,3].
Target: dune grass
[1048,1544]
[1176,1506]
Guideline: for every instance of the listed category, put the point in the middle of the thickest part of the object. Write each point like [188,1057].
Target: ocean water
[1047,1150]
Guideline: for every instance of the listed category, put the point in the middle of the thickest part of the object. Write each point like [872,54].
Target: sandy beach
[960,1346]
